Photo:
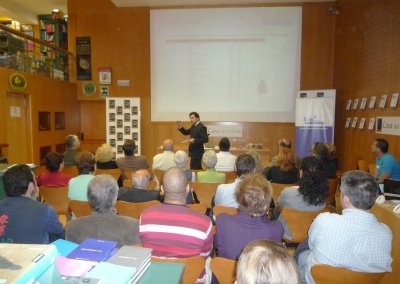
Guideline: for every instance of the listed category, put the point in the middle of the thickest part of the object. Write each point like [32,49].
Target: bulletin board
[123,122]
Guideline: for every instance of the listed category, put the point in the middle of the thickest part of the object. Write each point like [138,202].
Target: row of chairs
[363,166]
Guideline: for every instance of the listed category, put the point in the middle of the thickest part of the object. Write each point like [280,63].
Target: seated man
[131,162]
[265,261]
[173,230]
[210,175]
[104,223]
[254,196]
[386,165]
[22,218]
[226,193]
[354,240]
[72,144]
[140,191]
[225,159]
[165,160]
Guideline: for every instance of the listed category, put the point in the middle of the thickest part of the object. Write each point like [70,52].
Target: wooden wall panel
[48,95]
[121,40]
[367,63]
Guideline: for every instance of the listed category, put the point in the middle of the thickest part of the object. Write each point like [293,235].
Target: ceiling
[26,11]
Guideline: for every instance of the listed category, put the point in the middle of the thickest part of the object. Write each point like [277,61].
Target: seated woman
[234,232]
[104,223]
[54,177]
[285,172]
[210,175]
[78,186]
[320,151]
[180,159]
[309,195]
[105,157]
[265,261]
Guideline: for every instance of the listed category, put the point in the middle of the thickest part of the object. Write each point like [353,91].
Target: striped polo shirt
[175,231]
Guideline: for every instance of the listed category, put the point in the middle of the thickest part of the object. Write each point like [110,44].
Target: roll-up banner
[315,119]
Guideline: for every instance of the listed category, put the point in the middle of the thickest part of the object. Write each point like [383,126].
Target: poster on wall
[122,123]
[83,59]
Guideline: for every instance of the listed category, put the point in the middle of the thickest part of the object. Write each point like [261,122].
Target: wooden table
[384,213]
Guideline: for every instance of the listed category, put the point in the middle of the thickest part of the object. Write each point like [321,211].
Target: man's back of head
[72,142]
[129,147]
[224,144]
[175,186]
[102,193]
[17,180]
[245,163]
[140,179]
[168,145]
[358,190]
[382,146]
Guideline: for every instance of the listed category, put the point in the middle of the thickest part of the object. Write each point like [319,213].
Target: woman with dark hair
[285,172]
[309,195]
[321,152]
[54,177]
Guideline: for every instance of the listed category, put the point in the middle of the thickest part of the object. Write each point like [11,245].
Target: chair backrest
[73,171]
[218,209]
[205,192]
[278,188]
[198,207]
[194,266]
[332,187]
[128,174]
[325,274]
[362,165]
[115,173]
[133,210]
[299,222]
[372,168]
[57,197]
[230,176]
[224,269]
[80,208]
[158,175]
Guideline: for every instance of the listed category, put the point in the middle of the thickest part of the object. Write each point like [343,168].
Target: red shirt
[53,179]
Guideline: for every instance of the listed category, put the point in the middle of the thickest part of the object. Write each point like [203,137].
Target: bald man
[140,191]
[171,229]
[165,160]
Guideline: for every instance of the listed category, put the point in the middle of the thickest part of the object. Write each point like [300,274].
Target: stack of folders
[100,261]
[135,257]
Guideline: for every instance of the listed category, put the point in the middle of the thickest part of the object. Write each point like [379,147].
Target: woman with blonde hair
[286,171]
[105,157]
[266,262]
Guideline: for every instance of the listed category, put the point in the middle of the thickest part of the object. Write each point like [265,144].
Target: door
[18,130]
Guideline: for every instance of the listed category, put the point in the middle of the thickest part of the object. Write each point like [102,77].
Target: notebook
[94,250]
[110,273]
[391,189]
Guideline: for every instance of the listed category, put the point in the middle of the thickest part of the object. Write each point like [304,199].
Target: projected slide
[229,64]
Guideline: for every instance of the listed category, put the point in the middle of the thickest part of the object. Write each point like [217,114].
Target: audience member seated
[140,191]
[105,157]
[254,196]
[266,262]
[173,230]
[354,240]
[54,177]
[131,162]
[22,218]
[78,186]
[104,223]
[180,159]
[332,154]
[259,168]
[226,193]
[72,144]
[225,159]
[284,144]
[309,195]
[320,151]
[165,160]
[386,165]
[210,175]
[286,172]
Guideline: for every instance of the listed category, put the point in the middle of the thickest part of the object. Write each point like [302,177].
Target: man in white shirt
[354,240]
[225,159]
[165,160]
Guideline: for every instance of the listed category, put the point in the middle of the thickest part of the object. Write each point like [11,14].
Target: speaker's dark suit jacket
[199,133]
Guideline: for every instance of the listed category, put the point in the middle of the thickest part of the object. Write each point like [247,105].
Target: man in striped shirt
[171,229]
